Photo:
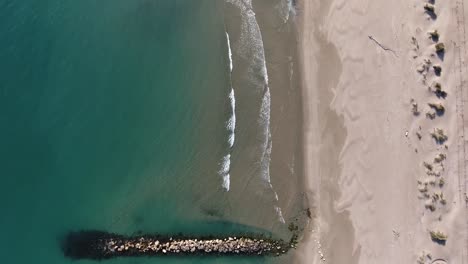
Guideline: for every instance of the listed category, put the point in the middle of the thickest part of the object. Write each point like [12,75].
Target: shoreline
[320,152]
[367,153]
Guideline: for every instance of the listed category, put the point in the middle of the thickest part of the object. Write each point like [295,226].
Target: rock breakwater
[102,245]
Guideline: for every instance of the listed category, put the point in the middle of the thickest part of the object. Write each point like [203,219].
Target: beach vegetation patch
[439,158]
[439,92]
[440,50]
[430,206]
[441,182]
[438,237]
[423,189]
[437,70]
[439,135]
[434,35]
[440,47]
[430,115]
[439,108]
[428,166]
[430,10]
[442,199]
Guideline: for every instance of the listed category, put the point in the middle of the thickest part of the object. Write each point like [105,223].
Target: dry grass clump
[439,158]
[428,166]
[439,108]
[439,135]
[429,8]
[421,260]
[441,182]
[440,47]
[435,197]
[442,199]
[434,35]
[423,189]
[423,257]
[433,173]
[430,206]
[439,92]
[437,69]
[438,237]
[430,115]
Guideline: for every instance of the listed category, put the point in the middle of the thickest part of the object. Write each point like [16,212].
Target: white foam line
[280,215]
[231,127]
[230,51]
[224,171]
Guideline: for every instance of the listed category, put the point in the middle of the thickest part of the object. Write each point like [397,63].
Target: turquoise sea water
[113,117]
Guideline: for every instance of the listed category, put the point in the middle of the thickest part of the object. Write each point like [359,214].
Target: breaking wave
[230,126]
[224,171]
[229,51]
[250,48]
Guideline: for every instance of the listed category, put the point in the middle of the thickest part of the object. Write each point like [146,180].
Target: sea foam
[224,171]
[229,51]
[231,125]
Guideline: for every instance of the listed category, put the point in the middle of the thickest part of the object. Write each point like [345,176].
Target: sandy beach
[385,126]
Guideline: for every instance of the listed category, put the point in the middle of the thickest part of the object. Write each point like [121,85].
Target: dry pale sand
[367,64]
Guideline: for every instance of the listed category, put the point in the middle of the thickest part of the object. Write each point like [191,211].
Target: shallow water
[116,115]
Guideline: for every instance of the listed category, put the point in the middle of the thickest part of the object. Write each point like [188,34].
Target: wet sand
[284,199]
